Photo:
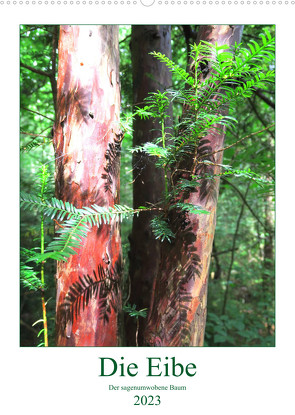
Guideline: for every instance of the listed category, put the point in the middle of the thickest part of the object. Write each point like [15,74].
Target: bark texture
[178,312]
[87,143]
[149,75]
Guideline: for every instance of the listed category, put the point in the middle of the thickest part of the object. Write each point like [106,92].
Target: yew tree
[177,166]
[87,141]
[217,77]
[148,75]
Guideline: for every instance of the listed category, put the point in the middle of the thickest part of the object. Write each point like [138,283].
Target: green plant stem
[42,283]
[43,184]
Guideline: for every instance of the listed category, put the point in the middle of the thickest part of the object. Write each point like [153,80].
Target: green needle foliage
[206,107]
[76,223]
[161,229]
[28,275]
[234,75]
[131,310]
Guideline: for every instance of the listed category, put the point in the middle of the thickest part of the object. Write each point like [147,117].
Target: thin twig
[31,29]
[261,95]
[35,70]
[252,104]
[53,66]
[38,113]
[36,135]
[245,202]
[125,38]
[237,142]
[35,28]
[215,254]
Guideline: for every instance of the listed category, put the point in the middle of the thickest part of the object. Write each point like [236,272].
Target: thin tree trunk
[53,66]
[87,143]
[149,75]
[178,312]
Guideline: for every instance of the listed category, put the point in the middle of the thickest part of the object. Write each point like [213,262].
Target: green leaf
[76,225]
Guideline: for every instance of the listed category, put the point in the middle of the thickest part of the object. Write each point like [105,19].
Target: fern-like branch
[190,208]
[29,278]
[161,229]
[76,222]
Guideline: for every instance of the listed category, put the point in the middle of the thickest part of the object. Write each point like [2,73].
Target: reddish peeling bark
[178,310]
[149,75]
[87,149]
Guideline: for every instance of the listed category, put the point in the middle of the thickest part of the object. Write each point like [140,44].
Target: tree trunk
[87,143]
[149,75]
[178,310]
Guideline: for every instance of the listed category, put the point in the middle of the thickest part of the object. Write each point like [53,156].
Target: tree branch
[36,135]
[246,204]
[215,254]
[32,69]
[261,95]
[53,66]
[32,28]
[237,142]
[38,113]
[253,106]
[52,74]
[125,38]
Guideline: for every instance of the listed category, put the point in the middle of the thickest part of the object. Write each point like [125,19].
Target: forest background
[241,288]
